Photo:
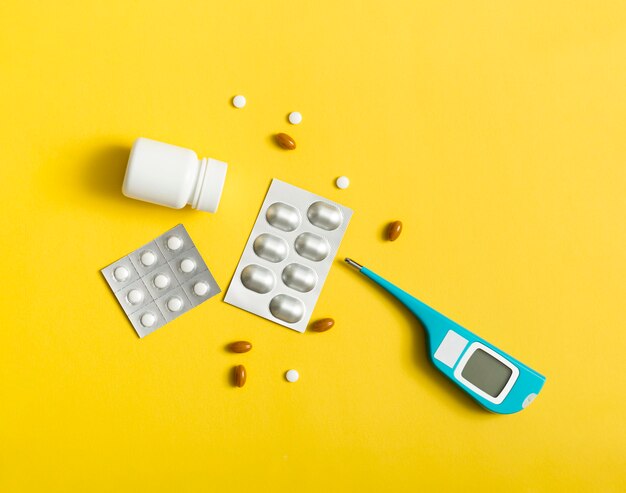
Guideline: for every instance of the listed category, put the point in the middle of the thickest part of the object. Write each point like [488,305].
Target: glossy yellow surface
[494,130]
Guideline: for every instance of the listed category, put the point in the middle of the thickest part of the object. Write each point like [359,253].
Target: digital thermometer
[497,381]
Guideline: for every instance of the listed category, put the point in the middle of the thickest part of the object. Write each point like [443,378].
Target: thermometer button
[528,400]
[451,348]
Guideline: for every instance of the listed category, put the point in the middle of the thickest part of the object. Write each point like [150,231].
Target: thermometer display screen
[486,372]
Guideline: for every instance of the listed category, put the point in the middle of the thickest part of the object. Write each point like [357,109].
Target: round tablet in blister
[148,258]
[299,277]
[283,216]
[187,265]
[161,281]
[200,288]
[258,279]
[174,304]
[287,308]
[312,247]
[148,319]
[325,216]
[134,296]
[270,247]
[174,243]
[121,274]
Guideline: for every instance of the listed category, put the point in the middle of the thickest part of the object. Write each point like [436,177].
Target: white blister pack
[288,255]
[160,281]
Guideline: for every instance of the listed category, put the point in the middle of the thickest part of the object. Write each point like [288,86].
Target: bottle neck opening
[209,185]
[195,196]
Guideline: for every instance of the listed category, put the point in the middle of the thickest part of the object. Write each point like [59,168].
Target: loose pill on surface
[174,243]
[295,117]
[322,325]
[393,230]
[240,375]
[342,182]
[161,281]
[174,304]
[148,258]
[240,347]
[148,319]
[292,376]
[134,296]
[121,274]
[200,288]
[187,265]
[239,101]
[286,142]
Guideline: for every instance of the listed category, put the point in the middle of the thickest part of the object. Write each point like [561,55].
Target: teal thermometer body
[499,382]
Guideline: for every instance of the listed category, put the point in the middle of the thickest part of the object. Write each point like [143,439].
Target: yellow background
[494,130]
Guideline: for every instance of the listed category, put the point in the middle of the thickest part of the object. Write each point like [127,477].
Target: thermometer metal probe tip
[353,263]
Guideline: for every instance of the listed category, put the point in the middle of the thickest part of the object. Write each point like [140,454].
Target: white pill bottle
[173,176]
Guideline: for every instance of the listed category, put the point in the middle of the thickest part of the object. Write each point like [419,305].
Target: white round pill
[239,101]
[148,258]
[200,288]
[292,376]
[121,274]
[161,281]
[134,296]
[187,265]
[342,182]
[174,304]
[295,117]
[174,242]
[148,319]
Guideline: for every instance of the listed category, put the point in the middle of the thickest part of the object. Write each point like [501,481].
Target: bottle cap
[210,186]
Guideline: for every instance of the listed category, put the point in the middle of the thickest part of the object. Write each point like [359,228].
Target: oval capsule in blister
[258,279]
[270,248]
[287,308]
[312,247]
[299,277]
[283,216]
[324,215]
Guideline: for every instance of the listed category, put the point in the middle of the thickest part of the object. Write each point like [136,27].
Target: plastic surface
[172,176]
[525,388]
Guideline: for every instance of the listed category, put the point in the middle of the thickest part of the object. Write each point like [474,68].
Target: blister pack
[160,281]
[288,255]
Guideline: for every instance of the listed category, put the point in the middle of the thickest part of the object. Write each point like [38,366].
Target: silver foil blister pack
[288,255]
[160,281]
